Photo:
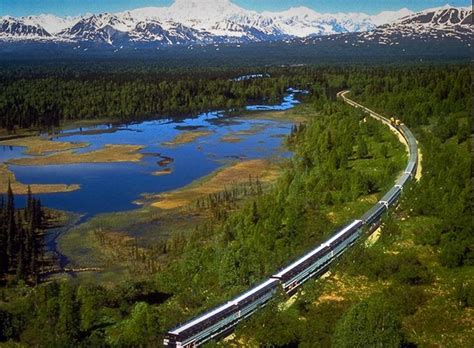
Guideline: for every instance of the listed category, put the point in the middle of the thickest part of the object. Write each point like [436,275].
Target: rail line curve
[222,319]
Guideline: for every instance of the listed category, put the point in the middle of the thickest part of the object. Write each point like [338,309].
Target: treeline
[21,239]
[45,102]
[47,97]
[42,98]
[420,96]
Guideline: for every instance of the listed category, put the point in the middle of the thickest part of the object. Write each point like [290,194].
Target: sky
[76,7]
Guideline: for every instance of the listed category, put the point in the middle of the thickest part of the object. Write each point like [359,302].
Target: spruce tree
[3,239]
[10,226]
[29,205]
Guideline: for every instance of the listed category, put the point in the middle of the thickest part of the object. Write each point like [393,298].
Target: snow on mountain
[386,17]
[438,22]
[146,13]
[442,17]
[167,33]
[51,23]
[303,21]
[443,25]
[12,29]
[219,21]
[191,10]
[102,28]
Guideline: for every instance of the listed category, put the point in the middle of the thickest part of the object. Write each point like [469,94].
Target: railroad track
[222,319]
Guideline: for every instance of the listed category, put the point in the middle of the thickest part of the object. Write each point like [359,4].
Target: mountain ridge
[205,22]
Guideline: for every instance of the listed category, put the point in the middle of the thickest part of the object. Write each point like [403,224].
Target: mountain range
[206,22]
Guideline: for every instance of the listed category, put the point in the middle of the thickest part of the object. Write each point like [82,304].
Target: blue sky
[76,7]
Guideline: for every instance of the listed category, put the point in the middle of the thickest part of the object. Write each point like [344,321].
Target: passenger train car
[222,319]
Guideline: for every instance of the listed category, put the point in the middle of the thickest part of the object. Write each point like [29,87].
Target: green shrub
[464,294]
[370,323]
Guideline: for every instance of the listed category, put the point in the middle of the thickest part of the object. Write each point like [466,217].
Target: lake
[110,187]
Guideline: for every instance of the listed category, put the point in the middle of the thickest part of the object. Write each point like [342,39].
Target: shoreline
[186,137]
[38,145]
[235,173]
[106,240]
[108,154]
[6,176]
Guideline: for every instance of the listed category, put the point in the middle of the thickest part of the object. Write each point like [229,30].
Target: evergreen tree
[3,239]
[68,322]
[21,246]
[370,323]
[362,150]
[10,226]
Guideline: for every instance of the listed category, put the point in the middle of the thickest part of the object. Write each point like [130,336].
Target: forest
[21,239]
[417,278]
[46,101]
[45,97]
[412,287]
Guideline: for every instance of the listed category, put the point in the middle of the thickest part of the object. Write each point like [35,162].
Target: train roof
[393,191]
[315,251]
[299,261]
[403,179]
[372,211]
[211,313]
[229,304]
[343,231]
[253,290]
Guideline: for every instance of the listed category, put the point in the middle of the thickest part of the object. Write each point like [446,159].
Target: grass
[187,137]
[109,153]
[7,176]
[40,145]
[163,216]
[299,114]
[428,326]
[231,139]
[233,174]
[439,321]
[165,171]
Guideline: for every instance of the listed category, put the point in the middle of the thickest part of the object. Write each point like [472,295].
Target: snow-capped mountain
[19,29]
[102,28]
[202,22]
[445,17]
[442,24]
[167,33]
[386,17]
[52,24]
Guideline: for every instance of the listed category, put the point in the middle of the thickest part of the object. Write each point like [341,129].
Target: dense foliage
[341,163]
[21,239]
[425,247]
[45,101]
[438,104]
[44,97]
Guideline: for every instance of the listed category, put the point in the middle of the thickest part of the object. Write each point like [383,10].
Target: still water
[107,187]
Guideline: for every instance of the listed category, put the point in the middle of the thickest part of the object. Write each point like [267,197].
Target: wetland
[144,168]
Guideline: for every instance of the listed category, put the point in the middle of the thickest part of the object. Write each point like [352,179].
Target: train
[395,122]
[222,319]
